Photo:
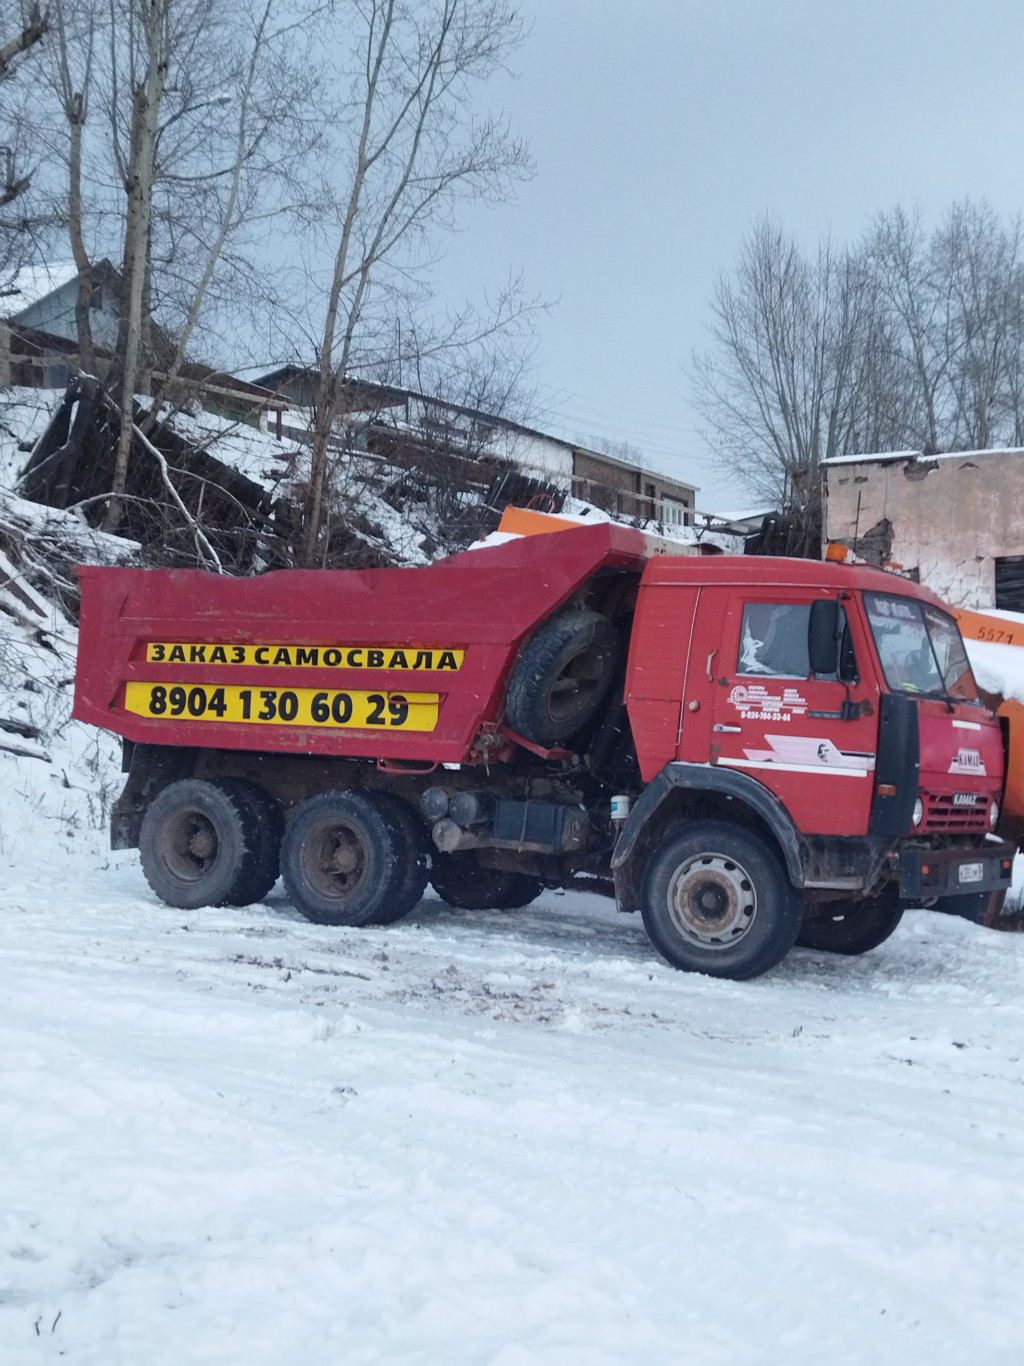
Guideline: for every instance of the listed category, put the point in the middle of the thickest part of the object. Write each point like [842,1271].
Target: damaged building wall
[951,520]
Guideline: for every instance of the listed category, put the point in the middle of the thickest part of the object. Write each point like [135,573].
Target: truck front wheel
[853,926]
[717,900]
[344,860]
[198,844]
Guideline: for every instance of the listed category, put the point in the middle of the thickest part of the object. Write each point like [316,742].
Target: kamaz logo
[964,798]
[968,761]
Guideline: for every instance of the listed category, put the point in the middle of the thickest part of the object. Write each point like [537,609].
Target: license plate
[972,872]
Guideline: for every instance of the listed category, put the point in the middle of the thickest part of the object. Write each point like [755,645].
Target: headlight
[918,815]
[993,815]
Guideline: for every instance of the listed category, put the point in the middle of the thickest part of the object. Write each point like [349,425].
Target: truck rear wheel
[562,676]
[464,883]
[343,859]
[415,859]
[197,844]
[853,926]
[717,900]
[262,867]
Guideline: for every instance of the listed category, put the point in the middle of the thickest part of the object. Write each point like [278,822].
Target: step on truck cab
[750,752]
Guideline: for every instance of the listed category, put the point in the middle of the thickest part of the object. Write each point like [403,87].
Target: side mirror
[823,636]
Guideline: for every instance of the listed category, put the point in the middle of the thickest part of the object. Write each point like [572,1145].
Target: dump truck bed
[400,664]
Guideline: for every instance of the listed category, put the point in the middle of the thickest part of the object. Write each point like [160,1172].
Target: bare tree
[20,35]
[269,128]
[778,392]
[75,30]
[209,112]
[980,260]
[34,24]
[416,153]
[145,69]
[907,340]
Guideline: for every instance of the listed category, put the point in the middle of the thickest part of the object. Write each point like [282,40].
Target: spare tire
[562,676]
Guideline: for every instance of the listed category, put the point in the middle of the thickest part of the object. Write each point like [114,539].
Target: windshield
[920,648]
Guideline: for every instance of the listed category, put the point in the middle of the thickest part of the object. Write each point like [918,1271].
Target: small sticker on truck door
[755,703]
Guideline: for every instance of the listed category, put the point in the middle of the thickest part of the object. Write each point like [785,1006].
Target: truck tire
[343,858]
[262,868]
[716,899]
[463,883]
[197,844]
[562,676]
[415,859]
[853,926]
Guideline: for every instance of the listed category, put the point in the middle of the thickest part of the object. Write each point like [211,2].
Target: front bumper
[927,873]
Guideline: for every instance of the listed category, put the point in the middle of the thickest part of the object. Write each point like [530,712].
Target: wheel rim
[712,901]
[190,845]
[575,685]
[336,859]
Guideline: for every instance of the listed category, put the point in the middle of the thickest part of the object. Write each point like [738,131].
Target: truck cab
[838,707]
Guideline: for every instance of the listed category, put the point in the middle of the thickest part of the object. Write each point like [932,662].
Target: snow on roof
[881,457]
[246,449]
[668,532]
[33,283]
[877,455]
[764,511]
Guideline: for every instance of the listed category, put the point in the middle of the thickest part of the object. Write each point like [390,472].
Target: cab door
[810,738]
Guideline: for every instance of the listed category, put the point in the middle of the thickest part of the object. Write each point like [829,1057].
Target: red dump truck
[750,752]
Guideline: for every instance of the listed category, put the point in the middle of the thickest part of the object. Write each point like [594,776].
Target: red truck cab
[844,693]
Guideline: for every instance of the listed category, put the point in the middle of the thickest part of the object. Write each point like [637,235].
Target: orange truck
[997,630]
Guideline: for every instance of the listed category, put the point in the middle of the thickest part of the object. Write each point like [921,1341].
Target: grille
[941,813]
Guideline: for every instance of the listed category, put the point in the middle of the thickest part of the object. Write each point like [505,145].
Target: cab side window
[773,640]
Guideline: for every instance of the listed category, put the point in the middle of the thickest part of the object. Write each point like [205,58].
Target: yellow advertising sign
[285,706]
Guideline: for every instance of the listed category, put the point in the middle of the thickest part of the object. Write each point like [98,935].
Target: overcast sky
[662,129]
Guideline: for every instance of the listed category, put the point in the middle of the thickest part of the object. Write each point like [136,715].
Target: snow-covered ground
[512,1139]
[472,1139]
[481,1139]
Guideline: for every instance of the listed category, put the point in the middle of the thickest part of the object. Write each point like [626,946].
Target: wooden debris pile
[72,466]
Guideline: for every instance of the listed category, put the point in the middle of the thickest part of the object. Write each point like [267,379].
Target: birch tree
[147,68]
[209,109]
[74,32]
[22,30]
[415,152]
